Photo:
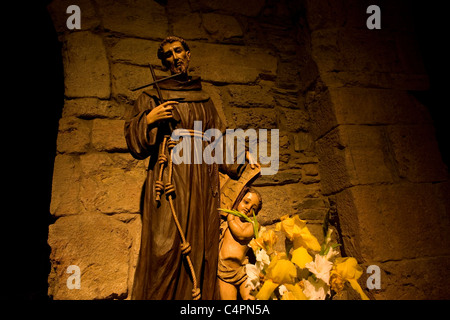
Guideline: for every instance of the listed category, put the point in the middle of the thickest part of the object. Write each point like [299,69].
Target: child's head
[251,201]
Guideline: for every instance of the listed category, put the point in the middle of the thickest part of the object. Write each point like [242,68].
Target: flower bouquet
[306,270]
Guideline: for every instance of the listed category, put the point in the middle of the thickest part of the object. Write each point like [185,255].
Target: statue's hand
[161,112]
[253,163]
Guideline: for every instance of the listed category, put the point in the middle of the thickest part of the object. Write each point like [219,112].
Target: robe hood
[181,91]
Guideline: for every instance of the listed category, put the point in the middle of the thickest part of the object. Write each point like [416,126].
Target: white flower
[321,267]
[282,289]
[314,290]
[252,276]
[263,257]
[332,253]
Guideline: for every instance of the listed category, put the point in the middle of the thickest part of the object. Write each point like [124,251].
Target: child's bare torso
[234,251]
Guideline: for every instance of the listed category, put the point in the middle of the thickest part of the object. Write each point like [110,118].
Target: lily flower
[296,230]
[269,239]
[262,258]
[292,292]
[301,257]
[314,290]
[253,278]
[280,271]
[347,269]
[321,268]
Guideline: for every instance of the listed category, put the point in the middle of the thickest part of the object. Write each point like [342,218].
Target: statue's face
[249,203]
[176,58]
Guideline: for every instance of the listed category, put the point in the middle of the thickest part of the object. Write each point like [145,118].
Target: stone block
[351,57]
[299,159]
[294,120]
[288,73]
[310,169]
[65,186]
[134,226]
[221,27]
[245,96]
[231,63]
[139,52]
[143,19]
[100,246]
[303,141]
[414,279]
[310,173]
[280,178]
[259,118]
[312,208]
[108,135]
[86,67]
[417,153]
[369,106]
[321,110]
[189,27]
[287,98]
[284,199]
[326,14]
[393,222]
[249,8]
[377,106]
[111,182]
[73,135]
[88,108]
[310,179]
[353,155]
[126,77]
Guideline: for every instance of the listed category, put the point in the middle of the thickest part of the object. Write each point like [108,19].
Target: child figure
[234,247]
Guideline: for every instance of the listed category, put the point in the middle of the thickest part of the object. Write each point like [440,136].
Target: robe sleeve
[140,137]
[235,169]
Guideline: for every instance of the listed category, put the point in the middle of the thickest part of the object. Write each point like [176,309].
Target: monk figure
[191,189]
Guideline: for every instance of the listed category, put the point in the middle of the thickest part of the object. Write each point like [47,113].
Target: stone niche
[286,65]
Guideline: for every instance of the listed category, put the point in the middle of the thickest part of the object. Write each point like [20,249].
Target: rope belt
[169,190]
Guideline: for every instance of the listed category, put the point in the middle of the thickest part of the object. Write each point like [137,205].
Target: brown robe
[162,272]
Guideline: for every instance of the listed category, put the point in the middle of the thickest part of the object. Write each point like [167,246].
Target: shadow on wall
[434,50]
[38,91]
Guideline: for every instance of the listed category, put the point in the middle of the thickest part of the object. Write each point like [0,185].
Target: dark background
[35,97]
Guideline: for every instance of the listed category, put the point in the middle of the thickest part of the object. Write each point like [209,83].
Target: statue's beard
[180,67]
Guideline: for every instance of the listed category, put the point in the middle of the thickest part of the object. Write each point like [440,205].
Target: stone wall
[353,139]
[377,149]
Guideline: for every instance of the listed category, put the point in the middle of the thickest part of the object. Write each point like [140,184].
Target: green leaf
[255,225]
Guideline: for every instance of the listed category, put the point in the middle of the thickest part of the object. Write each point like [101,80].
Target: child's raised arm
[241,230]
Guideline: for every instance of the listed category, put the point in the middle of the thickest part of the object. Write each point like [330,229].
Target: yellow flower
[256,244]
[347,269]
[266,290]
[301,257]
[266,241]
[280,271]
[290,226]
[296,230]
[294,292]
[269,239]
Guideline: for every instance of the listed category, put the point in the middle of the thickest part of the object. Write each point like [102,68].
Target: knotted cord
[169,190]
